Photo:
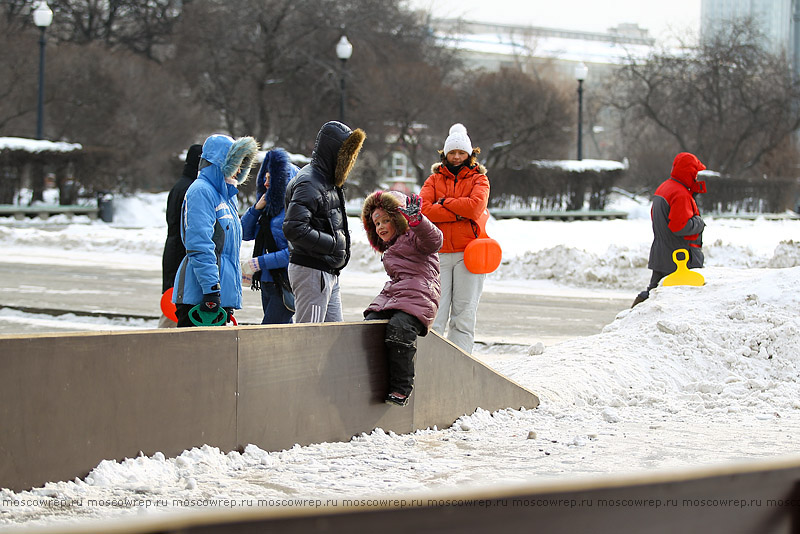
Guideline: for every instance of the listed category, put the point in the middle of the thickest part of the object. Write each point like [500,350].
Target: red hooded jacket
[676,219]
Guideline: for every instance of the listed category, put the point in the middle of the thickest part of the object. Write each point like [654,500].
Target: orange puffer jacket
[465,197]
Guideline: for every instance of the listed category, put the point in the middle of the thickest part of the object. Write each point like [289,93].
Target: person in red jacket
[676,221]
[409,300]
[453,198]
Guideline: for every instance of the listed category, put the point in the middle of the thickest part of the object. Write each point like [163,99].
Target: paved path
[503,317]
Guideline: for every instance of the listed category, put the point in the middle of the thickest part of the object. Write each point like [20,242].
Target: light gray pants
[316,295]
[458,307]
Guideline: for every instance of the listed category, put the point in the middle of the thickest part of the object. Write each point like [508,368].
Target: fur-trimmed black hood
[389,201]
[281,170]
[336,150]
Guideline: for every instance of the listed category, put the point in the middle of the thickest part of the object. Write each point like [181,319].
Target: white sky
[663,19]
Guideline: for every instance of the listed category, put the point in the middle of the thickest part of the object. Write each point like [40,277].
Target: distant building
[779,20]
[399,173]
[547,53]
[493,46]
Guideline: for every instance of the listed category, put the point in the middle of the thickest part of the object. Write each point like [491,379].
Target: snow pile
[731,345]
[572,165]
[662,387]
[619,267]
[36,145]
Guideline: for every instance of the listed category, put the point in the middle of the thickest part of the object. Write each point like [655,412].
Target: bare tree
[729,101]
[141,26]
[15,12]
[126,110]
[516,118]
[18,79]
[269,68]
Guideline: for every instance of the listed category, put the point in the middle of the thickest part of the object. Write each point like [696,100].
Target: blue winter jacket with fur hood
[210,227]
[281,171]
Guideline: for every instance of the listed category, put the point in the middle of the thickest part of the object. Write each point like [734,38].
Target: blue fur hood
[281,170]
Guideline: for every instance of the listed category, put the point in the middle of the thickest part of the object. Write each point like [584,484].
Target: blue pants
[272,304]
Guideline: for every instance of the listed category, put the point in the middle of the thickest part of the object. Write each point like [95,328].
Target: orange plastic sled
[168,307]
[483,254]
[682,275]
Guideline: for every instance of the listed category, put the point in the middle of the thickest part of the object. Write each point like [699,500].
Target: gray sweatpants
[316,295]
[458,307]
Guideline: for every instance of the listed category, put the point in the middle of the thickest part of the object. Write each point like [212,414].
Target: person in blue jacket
[267,269]
[210,275]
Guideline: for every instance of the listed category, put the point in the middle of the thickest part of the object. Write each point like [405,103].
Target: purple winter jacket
[412,263]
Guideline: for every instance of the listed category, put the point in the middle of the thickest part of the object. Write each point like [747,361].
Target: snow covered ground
[694,376]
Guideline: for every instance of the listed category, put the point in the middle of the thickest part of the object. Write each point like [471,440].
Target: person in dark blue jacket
[266,270]
[210,275]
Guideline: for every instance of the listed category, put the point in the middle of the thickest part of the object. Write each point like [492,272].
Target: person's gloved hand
[211,302]
[412,211]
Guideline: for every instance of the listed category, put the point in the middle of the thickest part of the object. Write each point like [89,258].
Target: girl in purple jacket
[410,243]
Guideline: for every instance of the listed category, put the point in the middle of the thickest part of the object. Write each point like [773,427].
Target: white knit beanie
[457,140]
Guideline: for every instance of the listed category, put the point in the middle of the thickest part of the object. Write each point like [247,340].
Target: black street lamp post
[343,51]
[580,74]
[42,17]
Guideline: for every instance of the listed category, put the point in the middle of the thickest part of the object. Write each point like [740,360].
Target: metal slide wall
[69,401]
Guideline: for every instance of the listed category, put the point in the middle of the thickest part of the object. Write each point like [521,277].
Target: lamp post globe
[344,49]
[581,70]
[42,17]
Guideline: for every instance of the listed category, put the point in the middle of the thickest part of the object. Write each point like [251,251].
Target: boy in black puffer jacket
[316,224]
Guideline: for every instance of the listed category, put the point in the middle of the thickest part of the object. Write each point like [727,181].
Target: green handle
[207,318]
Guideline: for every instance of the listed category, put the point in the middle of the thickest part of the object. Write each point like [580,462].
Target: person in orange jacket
[676,221]
[453,198]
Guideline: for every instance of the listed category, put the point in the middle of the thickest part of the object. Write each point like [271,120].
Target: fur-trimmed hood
[481,169]
[281,170]
[336,149]
[225,156]
[389,201]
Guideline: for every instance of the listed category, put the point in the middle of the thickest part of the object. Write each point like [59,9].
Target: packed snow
[694,376]
[37,145]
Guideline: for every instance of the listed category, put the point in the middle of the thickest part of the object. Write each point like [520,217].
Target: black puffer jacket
[316,221]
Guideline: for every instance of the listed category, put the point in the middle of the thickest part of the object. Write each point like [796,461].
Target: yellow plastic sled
[682,275]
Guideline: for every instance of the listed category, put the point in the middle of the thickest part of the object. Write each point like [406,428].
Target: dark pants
[654,280]
[401,347]
[272,304]
[182,312]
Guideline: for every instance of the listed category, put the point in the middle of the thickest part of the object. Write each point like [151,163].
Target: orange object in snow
[483,254]
[168,307]
[682,275]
